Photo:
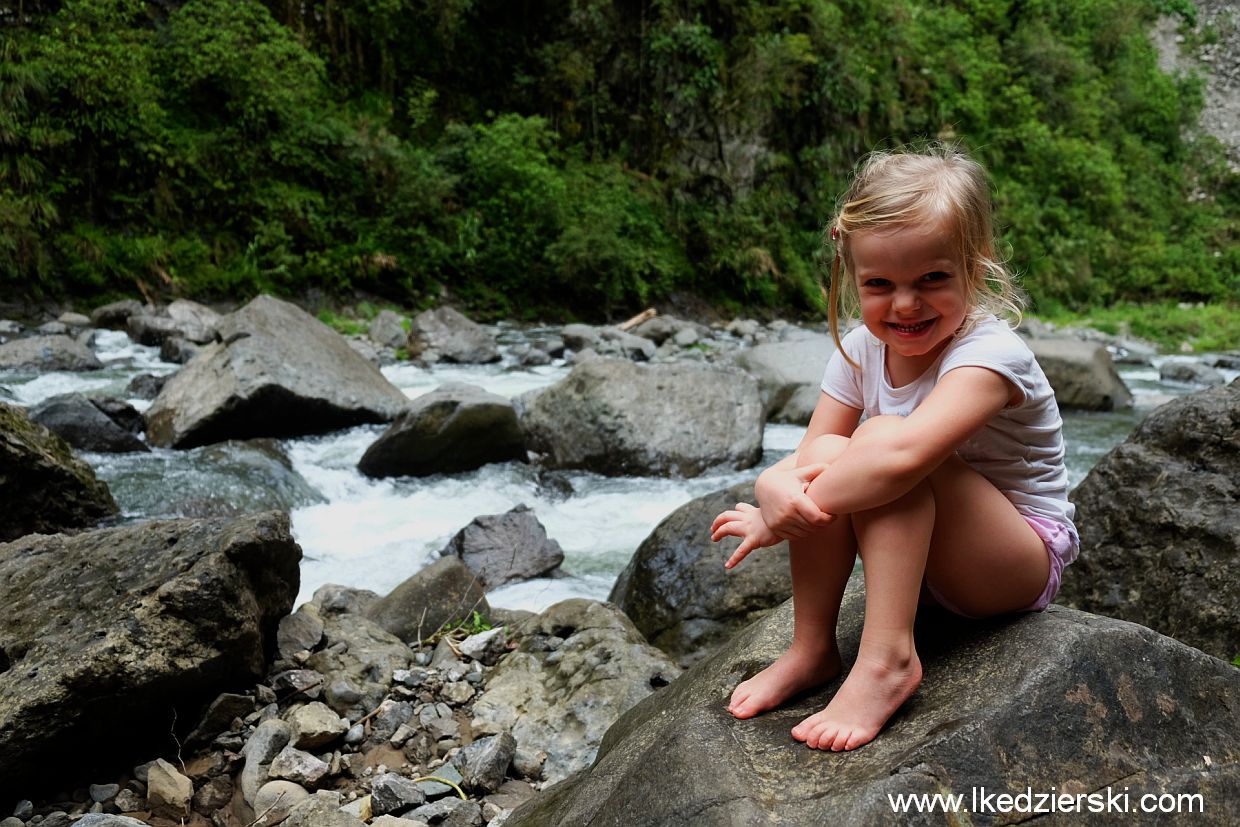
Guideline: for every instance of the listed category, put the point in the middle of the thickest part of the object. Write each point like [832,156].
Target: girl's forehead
[905,243]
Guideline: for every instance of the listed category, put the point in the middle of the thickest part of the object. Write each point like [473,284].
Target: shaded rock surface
[1082,374]
[445,591]
[1160,525]
[1089,703]
[277,372]
[789,375]
[84,425]
[456,427]
[503,548]
[105,633]
[677,592]
[43,486]
[47,353]
[579,666]
[615,417]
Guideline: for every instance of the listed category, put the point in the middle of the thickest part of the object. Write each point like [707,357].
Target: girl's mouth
[912,329]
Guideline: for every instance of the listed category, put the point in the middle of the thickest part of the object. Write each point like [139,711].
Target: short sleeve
[842,381]
[994,347]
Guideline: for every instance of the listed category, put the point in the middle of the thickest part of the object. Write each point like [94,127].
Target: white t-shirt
[1020,449]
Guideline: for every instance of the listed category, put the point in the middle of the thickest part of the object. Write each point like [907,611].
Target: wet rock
[504,548]
[1086,706]
[146,385]
[446,591]
[1082,374]
[677,592]
[615,417]
[1190,373]
[456,427]
[277,372]
[115,315]
[451,337]
[178,351]
[43,486]
[579,666]
[114,629]
[47,353]
[78,421]
[1160,531]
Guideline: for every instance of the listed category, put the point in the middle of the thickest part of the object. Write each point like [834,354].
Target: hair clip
[835,233]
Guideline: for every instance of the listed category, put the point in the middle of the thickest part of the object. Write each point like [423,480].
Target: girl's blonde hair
[906,187]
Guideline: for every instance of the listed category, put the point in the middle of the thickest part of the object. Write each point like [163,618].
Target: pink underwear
[1062,546]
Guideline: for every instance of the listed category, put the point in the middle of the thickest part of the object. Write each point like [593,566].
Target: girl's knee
[826,448]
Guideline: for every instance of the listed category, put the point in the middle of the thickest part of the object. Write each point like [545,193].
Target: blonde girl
[952,490]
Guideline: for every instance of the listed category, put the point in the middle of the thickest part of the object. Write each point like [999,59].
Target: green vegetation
[1171,326]
[584,157]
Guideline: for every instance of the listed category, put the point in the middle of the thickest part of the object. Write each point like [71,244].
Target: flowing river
[374,534]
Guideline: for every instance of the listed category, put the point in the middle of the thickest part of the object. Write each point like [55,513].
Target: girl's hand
[745,521]
[786,508]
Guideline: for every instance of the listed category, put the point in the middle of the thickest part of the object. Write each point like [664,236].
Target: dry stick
[374,711]
[172,730]
[645,315]
[263,814]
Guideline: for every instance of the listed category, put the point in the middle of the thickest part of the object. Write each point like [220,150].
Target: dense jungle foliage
[583,157]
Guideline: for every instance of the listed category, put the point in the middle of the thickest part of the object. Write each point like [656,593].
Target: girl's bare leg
[894,541]
[821,565]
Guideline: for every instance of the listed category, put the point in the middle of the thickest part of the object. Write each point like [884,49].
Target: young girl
[953,489]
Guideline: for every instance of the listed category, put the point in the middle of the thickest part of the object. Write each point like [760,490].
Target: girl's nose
[906,300]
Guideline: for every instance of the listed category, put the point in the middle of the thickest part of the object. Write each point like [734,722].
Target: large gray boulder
[85,425]
[580,665]
[277,372]
[444,334]
[1057,701]
[43,486]
[112,637]
[456,427]
[789,375]
[1082,374]
[1160,526]
[47,353]
[677,592]
[615,417]
[505,548]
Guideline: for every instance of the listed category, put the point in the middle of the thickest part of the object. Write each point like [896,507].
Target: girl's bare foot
[794,671]
[871,693]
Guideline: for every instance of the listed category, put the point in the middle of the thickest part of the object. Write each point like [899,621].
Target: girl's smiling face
[912,287]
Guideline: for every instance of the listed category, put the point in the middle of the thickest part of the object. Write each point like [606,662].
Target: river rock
[276,799]
[315,726]
[168,792]
[789,375]
[1086,705]
[508,547]
[43,486]
[298,766]
[358,650]
[269,740]
[445,334]
[613,341]
[277,372]
[387,328]
[393,793]
[484,763]
[1160,530]
[456,427]
[47,353]
[1190,373]
[615,417]
[300,631]
[146,385]
[198,323]
[1082,374]
[444,592]
[116,315]
[580,664]
[579,337]
[81,423]
[107,632]
[677,592]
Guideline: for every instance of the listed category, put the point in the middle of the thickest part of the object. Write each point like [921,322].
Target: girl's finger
[742,551]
